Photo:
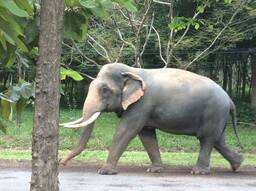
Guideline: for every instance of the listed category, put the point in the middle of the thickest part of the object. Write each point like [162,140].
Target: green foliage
[64,73]
[11,32]
[181,23]
[88,3]
[17,30]
[78,12]
[2,125]
[12,7]
[14,100]
[246,113]
[75,25]
[226,1]
[128,4]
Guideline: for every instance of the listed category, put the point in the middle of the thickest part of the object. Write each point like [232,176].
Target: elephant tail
[234,122]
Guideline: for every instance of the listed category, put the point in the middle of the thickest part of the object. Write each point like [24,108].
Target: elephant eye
[105,91]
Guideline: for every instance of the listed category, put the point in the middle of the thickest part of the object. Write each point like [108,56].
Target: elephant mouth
[81,122]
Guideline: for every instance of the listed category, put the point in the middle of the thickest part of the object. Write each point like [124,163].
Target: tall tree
[45,129]
[253,96]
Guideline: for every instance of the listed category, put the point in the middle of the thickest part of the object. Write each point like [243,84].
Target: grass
[135,157]
[176,149]
[20,138]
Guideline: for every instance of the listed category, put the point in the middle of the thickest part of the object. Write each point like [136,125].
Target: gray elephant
[172,100]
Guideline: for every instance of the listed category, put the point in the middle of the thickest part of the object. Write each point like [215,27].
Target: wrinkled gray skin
[172,100]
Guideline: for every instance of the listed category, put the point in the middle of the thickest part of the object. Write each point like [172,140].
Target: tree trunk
[45,129]
[230,78]
[253,95]
[244,78]
[238,79]
[225,74]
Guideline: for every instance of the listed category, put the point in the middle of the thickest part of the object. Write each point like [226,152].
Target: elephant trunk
[91,111]
[85,135]
[88,125]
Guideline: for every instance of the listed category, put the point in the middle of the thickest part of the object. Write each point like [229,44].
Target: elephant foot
[107,170]
[237,163]
[155,168]
[200,171]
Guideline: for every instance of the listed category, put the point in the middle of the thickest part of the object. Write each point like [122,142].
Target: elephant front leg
[149,141]
[126,131]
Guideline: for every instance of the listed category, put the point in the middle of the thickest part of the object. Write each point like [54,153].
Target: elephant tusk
[72,122]
[85,123]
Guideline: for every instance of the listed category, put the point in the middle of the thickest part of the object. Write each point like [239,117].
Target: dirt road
[84,177]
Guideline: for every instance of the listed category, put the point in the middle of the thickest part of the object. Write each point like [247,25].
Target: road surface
[83,178]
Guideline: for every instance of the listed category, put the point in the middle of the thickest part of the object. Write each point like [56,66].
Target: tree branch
[170,38]
[120,53]
[143,20]
[160,47]
[81,53]
[126,42]
[148,35]
[106,56]
[161,2]
[215,39]
[186,31]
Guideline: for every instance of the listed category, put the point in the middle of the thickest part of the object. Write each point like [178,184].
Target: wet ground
[80,177]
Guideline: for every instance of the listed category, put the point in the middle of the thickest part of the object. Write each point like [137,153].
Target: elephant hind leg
[235,159]
[203,162]
[149,141]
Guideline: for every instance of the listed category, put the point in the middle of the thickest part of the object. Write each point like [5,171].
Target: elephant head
[115,88]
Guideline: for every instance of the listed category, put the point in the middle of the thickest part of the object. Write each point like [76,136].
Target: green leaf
[20,105]
[21,45]
[178,23]
[128,4]
[25,5]
[70,73]
[71,3]
[228,1]
[2,125]
[9,18]
[11,35]
[107,4]
[75,26]
[88,3]
[8,38]
[200,9]
[14,93]
[26,90]
[100,11]
[196,26]
[22,59]
[33,53]
[3,41]
[5,109]
[13,8]
[11,59]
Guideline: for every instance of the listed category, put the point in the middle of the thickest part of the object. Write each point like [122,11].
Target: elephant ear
[133,89]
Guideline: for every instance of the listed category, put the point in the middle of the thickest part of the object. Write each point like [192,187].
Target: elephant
[171,100]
